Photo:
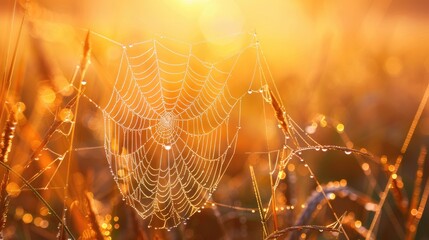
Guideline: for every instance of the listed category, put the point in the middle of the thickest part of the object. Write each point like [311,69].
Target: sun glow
[195,1]
[184,97]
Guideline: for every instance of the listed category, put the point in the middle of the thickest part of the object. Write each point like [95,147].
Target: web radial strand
[169,136]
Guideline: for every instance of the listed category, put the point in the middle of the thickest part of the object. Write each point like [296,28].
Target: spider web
[172,123]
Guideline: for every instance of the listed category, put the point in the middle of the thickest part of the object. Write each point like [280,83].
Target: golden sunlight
[214,119]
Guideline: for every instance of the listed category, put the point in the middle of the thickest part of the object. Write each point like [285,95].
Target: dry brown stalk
[7,77]
[6,146]
[280,115]
[83,66]
[86,55]
[398,162]
[416,190]
[92,218]
[417,216]
[61,230]
[399,196]
[78,216]
[4,202]
[7,137]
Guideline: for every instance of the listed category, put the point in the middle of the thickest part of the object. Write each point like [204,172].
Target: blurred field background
[361,64]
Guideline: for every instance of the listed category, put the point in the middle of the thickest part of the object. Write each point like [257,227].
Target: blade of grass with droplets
[273,195]
[317,228]
[258,201]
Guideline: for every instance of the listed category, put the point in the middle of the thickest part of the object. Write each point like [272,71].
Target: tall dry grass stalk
[5,148]
[417,203]
[83,68]
[8,73]
[94,227]
[61,235]
[4,202]
[282,119]
[7,136]
[417,215]
[415,197]
[75,103]
[399,195]
[398,162]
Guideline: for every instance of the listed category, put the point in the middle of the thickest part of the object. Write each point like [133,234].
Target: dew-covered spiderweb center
[165,129]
